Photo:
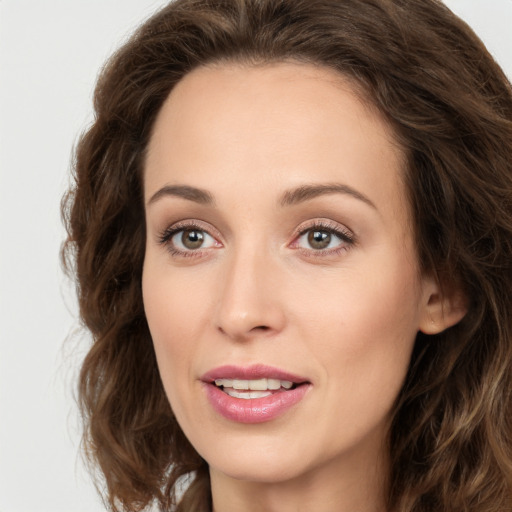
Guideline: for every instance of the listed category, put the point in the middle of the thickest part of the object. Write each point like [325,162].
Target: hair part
[450,108]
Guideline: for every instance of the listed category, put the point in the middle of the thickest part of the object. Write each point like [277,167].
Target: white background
[50,53]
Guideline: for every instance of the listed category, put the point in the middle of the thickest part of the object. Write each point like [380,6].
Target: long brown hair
[450,106]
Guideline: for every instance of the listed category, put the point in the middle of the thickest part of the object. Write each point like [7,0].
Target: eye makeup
[323,237]
[189,238]
[315,238]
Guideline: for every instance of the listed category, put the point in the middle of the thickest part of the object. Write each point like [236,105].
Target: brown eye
[325,240]
[319,239]
[188,240]
[192,238]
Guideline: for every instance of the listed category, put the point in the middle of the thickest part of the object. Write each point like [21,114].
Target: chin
[263,470]
[265,458]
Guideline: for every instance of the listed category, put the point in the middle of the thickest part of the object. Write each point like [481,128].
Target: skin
[257,291]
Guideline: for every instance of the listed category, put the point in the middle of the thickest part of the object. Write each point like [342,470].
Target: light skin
[244,166]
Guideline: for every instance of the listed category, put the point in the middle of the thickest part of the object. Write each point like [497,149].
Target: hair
[450,107]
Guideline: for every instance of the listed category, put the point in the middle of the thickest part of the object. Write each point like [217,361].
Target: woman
[292,230]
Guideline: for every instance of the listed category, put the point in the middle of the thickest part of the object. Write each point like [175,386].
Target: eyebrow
[194,194]
[289,198]
[307,192]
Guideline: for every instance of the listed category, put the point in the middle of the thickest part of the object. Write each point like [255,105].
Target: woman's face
[279,247]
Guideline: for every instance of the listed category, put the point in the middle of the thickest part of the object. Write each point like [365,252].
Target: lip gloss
[253,410]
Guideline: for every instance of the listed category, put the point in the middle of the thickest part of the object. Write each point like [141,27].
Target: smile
[261,398]
[250,389]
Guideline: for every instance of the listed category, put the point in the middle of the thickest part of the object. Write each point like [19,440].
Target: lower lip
[254,410]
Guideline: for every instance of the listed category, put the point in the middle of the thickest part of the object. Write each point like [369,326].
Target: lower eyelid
[341,242]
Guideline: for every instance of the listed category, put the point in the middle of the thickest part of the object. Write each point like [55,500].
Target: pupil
[192,239]
[319,239]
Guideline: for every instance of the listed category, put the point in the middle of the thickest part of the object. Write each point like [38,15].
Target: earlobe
[443,308]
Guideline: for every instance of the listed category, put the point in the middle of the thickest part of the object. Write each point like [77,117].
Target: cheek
[361,331]
[361,307]
[175,301]
[171,307]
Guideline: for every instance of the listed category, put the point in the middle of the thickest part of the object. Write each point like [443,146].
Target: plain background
[50,54]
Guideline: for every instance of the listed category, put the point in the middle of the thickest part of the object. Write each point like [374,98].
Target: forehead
[281,124]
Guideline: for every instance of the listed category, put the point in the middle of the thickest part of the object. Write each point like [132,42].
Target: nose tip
[239,320]
[250,304]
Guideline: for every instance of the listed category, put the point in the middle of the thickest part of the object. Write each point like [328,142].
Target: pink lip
[255,410]
[255,371]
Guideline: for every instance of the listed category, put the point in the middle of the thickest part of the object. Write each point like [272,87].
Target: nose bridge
[248,302]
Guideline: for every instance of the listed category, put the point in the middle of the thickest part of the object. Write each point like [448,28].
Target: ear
[443,307]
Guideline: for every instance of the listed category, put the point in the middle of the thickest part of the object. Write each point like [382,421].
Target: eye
[323,239]
[319,239]
[191,239]
[187,240]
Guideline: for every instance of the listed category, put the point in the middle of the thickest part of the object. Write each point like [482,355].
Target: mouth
[253,378]
[253,394]
[254,388]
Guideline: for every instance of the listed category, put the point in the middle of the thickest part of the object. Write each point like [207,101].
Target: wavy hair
[450,106]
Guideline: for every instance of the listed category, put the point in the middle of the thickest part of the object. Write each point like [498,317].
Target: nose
[250,299]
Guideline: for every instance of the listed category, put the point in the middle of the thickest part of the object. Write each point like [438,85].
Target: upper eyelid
[325,224]
[175,227]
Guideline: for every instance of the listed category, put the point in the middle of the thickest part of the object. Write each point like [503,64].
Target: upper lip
[252,372]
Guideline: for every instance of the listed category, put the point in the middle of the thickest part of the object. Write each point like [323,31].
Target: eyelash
[166,236]
[346,237]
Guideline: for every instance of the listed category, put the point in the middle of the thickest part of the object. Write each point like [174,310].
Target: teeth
[227,383]
[251,394]
[274,383]
[241,384]
[253,385]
